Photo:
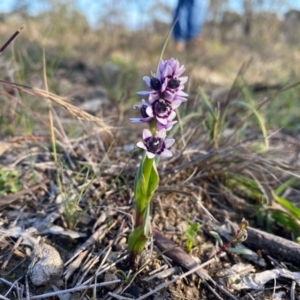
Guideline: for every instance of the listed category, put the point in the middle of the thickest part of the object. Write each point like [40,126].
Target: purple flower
[143,110]
[170,68]
[169,74]
[174,95]
[167,80]
[167,126]
[165,95]
[162,110]
[156,145]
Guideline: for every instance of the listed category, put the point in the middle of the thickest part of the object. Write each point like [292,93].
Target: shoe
[180,46]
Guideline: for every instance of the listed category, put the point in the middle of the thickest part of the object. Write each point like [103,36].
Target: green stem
[141,204]
[145,184]
[147,224]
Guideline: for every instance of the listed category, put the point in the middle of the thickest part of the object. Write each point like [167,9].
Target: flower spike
[165,95]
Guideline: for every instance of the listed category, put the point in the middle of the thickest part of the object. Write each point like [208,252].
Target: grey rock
[46,266]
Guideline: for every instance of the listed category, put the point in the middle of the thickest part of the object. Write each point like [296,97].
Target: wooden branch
[278,247]
[174,251]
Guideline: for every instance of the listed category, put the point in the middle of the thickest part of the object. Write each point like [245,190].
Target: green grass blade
[259,118]
[284,186]
[295,211]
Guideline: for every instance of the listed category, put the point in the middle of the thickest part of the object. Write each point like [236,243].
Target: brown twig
[174,252]
[10,39]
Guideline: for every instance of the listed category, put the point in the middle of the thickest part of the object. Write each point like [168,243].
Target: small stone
[46,266]
[156,264]
[110,277]
[92,106]
[113,256]
[168,226]
[182,227]
[198,239]
[123,241]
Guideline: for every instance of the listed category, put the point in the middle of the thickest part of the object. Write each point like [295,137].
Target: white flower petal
[141,145]
[175,104]
[169,71]
[153,97]
[182,93]
[169,142]
[183,79]
[136,120]
[149,111]
[180,71]
[162,120]
[146,134]
[164,86]
[147,79]
[166,153]
[161,133]
[150,154]
[144,93]
[171,116]
[168,126]
[182,99]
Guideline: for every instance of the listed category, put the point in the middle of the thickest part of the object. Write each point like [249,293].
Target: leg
[180,17]
[197,10]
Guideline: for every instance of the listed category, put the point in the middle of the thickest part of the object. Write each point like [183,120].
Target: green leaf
[295,211]
[260,119]
[9,181]
[191,234]
[137,240]
[139,181]
[207,104]
[246,185]
[217,237]
[285,185]
[153,180]
[240,251]
[192,230]
[145,183]
[189,245]
[286,221]
[139,191]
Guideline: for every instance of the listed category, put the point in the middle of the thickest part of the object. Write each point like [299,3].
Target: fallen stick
[276,246]
[174,251]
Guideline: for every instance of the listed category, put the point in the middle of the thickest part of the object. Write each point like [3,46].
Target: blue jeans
[190,16]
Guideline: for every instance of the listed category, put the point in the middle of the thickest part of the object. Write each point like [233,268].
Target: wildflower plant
[165,95]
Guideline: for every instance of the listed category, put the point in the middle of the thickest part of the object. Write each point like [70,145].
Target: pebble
[168,226]
[182,226]
[46,266]
[110,277]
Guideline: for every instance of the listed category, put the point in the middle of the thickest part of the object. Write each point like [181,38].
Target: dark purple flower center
[154,144]
[143,111]
[161,108]
[155,84]
[174,83]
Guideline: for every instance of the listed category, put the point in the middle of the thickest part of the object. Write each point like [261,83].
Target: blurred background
[97,52]
[137,14]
